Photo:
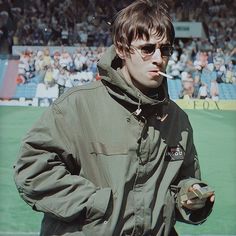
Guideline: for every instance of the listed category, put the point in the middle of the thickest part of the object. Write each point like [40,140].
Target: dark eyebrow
[153,45]
[165,44]
[147,45]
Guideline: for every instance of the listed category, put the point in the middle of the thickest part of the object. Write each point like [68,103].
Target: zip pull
[138,111]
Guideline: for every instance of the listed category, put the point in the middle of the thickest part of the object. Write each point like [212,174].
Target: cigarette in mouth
[163,74]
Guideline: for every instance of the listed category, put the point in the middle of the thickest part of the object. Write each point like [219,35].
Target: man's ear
[120,53]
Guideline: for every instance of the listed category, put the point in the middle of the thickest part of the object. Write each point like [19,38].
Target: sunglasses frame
[140,49]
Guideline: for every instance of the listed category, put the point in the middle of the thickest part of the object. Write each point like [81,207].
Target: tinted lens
[147,50]
[166,50]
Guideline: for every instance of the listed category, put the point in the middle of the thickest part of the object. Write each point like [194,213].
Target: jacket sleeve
[189,175]
[48,177]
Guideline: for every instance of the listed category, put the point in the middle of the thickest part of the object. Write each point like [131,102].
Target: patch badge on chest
[174,154]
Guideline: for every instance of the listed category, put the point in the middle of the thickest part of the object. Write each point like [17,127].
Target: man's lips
[154,72]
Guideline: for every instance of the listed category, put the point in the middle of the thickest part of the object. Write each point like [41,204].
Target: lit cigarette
[167,76]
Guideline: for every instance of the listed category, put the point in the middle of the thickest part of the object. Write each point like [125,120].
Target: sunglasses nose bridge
[157,54]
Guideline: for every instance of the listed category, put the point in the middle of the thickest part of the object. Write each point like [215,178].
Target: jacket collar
[109,67]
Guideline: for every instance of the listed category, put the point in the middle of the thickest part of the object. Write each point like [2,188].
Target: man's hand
[197,203]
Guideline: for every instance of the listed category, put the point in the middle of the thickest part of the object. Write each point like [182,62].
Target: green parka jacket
[106,160]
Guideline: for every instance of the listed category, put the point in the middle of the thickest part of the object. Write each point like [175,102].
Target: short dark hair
[139,20]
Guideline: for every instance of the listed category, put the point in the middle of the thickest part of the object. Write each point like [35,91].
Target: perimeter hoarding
[207,104]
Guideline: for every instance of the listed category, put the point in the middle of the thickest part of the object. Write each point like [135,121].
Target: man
[116,157]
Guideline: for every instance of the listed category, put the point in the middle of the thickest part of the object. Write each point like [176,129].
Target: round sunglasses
[148,50]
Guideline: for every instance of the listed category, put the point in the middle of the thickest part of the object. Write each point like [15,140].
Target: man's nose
[156,57]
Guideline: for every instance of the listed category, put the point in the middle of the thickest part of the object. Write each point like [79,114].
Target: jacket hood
[109,67]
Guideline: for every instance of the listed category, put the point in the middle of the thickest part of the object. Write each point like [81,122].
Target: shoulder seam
[76,89]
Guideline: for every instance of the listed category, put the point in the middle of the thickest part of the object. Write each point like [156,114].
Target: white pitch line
[217,116]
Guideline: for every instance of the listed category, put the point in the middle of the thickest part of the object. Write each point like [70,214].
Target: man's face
[142,66]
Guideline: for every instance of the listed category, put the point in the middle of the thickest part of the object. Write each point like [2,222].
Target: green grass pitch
[215,139]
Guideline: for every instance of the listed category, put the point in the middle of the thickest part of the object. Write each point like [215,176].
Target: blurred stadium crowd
[59,68]
[87,22]
[201,64]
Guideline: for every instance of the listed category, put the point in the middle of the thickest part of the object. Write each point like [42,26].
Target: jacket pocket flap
[101,148]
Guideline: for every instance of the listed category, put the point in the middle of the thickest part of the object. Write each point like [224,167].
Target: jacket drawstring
[138,111]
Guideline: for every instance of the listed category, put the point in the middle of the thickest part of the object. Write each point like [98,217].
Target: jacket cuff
[192,216]
[98,203]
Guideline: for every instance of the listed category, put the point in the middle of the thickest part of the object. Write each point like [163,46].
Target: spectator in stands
[56,60]
[220,72]
[65,36]
[196,84]
[75,79]
[230,73]
[79,60]
[39,62]
[48,78]
[23,66]
[214,91]
[187,84]
[61,79]
[26,70]
[117,157]
[203,91]
[92,66]
[66,61]
[47,60]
